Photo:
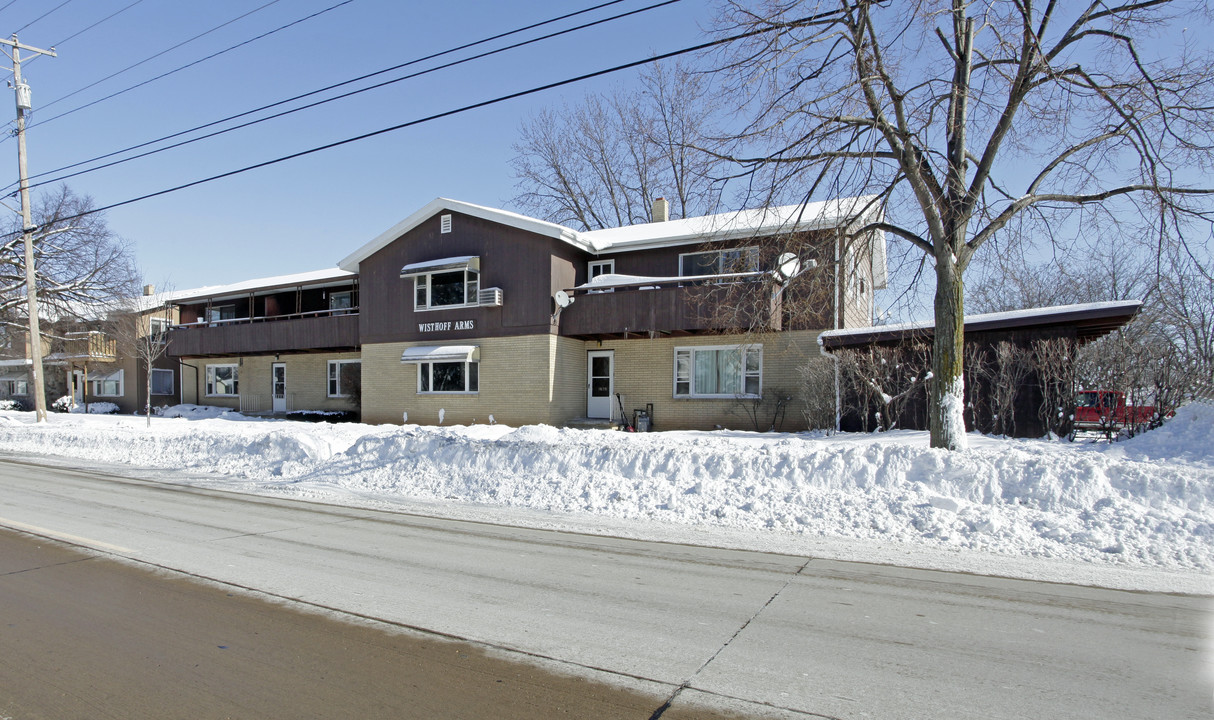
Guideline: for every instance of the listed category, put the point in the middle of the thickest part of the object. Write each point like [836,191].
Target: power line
[438,116]
[342,84]
[192,64]
[48,12]
[90,27]
[162,52]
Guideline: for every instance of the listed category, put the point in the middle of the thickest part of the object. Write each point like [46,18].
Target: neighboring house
[467,314]
[92,356]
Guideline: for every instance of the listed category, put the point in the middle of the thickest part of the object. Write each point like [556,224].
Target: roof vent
[444,223]
[661,210]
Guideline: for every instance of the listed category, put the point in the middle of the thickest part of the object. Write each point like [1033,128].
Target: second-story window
[446,289]
[222,312]
[341,303]
[719,262]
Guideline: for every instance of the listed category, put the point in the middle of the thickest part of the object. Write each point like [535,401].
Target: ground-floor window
[19,387]
[342,376]
[222,380]
[162,382]
[718,372]
[108,385]
[448,377]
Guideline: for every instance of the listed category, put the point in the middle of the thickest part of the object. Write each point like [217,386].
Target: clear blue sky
[307,213]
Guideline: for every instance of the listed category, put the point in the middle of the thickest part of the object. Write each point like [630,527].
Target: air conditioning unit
[491,297]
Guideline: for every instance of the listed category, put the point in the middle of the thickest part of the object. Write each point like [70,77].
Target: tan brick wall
[517,384]
[644,373]
[307,382]
[542,379]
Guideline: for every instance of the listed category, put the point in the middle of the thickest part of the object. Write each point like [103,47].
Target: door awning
[441,353]
[463,262]
[104,376]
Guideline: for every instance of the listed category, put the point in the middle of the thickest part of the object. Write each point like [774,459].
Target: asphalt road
[646,629]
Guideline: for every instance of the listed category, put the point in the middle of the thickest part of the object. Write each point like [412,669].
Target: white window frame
[425,378]
[119,385]
[422,284]
[160,372]
[752,264]
[334,375]
[162,332]
[210,386]
[746,372]
[609,269]
[20,387]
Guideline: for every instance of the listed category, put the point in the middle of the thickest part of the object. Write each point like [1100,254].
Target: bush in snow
[98,408]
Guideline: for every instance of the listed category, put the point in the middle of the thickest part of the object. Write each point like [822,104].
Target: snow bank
[1147,502]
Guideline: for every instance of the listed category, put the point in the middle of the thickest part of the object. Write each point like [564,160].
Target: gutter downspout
[181,383]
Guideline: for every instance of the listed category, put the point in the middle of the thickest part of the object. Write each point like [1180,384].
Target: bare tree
[966,119]
[80,263]
[884,379]
[141,328]
[602,163]
[1054,362]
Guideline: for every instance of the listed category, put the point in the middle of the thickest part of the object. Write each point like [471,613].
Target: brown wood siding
[663,310]
[511,259]
[339,332]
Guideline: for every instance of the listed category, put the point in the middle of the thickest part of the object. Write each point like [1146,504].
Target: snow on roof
[505,217]
[707,228]
[1027,316]
[724,226]
[313,277]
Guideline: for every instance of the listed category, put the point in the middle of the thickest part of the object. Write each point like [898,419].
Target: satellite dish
[788,266]
[562,299]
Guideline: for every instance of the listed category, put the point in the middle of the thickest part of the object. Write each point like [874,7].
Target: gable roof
[707,228]
[505,217]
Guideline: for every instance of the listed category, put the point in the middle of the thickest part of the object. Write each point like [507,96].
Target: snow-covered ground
[1137,514]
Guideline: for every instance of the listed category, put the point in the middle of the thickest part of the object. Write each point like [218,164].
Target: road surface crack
[657,714]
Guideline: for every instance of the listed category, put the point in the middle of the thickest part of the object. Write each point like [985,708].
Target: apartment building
[466,314]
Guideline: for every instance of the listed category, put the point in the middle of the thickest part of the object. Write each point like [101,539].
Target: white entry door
[278,377]
[600,383]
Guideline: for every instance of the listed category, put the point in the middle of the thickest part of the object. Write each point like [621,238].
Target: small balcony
[89,346]
[667,307]
[333,330]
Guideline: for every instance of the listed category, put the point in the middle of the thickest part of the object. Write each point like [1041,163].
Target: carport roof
[1091,321]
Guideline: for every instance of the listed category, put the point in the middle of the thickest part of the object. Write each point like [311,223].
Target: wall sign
[446,326]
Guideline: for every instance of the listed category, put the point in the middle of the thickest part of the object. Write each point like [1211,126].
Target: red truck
[1106,412]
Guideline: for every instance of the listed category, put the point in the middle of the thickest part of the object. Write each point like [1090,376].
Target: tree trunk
[947,411]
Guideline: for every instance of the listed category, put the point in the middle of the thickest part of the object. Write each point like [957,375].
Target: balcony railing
[90,346]
[321,330]
[667,307]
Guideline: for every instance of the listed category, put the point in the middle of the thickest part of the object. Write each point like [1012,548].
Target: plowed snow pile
[1147,502]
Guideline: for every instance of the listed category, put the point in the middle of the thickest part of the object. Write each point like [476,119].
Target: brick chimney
[149,290]
[661,210]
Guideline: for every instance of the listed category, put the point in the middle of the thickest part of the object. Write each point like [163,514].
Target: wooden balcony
[328,330]
[667,308]
[90,346]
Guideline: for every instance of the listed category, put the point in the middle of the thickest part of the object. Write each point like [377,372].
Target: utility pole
[27,228]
